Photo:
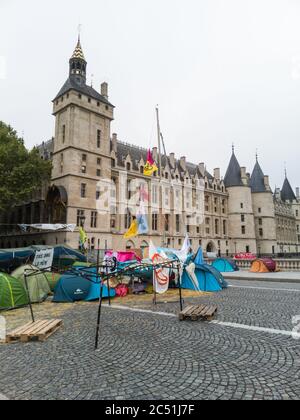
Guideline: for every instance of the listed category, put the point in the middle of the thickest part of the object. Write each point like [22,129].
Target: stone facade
[90,167]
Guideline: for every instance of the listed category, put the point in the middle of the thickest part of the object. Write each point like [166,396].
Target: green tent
[12,293]
[52,279]
[38,285]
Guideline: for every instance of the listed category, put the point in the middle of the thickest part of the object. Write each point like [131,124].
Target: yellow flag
[150,169]
[133,230]
[83,236]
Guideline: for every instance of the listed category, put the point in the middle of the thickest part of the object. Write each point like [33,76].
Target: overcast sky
[222,71]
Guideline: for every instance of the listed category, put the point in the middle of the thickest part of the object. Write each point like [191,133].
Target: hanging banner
[45,227]
[44,259]
[161,276]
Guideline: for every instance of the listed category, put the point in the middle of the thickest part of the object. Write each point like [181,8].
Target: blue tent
[82,284]
[71,288]
[206,279]
[225,265]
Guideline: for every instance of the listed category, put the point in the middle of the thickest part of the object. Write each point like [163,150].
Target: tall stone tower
[82,150]
[264,211]
[240,210]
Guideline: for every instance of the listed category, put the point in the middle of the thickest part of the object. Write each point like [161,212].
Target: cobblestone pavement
[150,356]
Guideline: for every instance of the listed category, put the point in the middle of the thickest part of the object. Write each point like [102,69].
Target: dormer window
[128,167]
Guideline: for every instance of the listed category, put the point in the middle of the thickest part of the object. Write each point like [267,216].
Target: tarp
[38,285]
[13,258]
[12,293]
[123,256]
[224,265]
[264,265]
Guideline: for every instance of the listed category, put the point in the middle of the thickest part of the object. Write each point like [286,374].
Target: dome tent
[12,293]
[81,285]
[264,265]
[225,265]
[37,282]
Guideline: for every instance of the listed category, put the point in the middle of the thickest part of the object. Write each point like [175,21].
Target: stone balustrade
[283,264]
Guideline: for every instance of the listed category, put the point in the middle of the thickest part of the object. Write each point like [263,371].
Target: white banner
[44,259]
[161,276]
[54,228]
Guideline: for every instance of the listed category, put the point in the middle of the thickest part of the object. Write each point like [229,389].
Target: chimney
[202,168]
[114,142]
[267,182]
[298,193]
[244,175]
[278,193]
[172,160]
[217,174]
[183,162]
[104,90]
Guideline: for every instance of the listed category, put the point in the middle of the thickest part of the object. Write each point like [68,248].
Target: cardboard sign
[44,259]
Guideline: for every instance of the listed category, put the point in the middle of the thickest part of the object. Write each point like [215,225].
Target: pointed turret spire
[78,52]
[78,65]
[257,181]
[287,193]
[233,177]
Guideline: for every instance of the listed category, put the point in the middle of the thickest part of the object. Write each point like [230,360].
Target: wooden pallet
[196,312]
[37,331]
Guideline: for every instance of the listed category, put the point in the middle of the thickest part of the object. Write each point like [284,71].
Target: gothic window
[83,191]
[128,167]
[98,139]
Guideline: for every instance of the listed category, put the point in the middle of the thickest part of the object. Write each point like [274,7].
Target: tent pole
[99,317]
[29,300]
[106,272]
[180,290]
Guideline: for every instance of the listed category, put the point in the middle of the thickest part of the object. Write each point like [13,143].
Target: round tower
[264,212]
[240,209]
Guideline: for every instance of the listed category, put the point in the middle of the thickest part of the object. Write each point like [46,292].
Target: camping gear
[122,290]
[52,279]
[81,284]
[38,286]
[264,265]
[12,293]
[225,265]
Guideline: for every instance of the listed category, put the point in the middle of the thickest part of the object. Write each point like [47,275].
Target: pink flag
[150,158]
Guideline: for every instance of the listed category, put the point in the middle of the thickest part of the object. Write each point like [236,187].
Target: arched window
[128,167]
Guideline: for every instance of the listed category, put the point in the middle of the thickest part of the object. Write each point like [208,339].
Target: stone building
[97,181]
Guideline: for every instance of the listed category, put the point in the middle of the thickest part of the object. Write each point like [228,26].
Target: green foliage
[22,172]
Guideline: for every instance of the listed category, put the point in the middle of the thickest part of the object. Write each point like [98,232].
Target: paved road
[153,356]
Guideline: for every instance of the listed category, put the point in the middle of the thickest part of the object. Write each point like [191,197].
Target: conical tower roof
[233,177]
[257,181]
[287,193]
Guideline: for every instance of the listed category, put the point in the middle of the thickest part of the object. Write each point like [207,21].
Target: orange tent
[264,265]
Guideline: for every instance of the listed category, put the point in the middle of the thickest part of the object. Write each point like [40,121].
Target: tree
[22,172]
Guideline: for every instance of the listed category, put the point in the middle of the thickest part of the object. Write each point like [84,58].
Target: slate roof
[136,153]
[257,182]
[73,84]
[233,176]
[287,193]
